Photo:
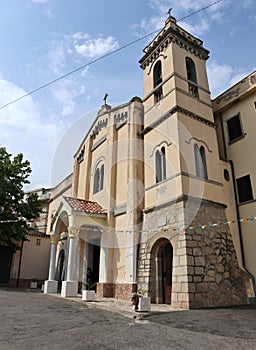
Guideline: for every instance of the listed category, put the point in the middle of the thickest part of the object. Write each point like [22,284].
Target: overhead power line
[102,57]
[200,10]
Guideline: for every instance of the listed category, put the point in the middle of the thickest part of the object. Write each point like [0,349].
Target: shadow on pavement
[235,322]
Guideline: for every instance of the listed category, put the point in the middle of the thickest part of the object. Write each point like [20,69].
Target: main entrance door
[161,272]
[60,271]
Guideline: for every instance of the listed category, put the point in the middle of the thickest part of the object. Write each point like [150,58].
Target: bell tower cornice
[172,33]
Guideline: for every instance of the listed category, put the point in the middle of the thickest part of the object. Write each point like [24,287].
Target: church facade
[149,204]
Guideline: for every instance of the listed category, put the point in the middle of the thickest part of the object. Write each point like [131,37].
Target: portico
[77,228]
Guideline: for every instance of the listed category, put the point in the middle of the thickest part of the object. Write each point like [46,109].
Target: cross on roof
[169,12]
[105,98]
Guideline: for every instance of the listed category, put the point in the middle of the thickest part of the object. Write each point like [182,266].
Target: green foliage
[90,286]
[15,209]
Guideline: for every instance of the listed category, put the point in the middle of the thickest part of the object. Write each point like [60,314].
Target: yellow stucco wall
[34,260]
[240,99]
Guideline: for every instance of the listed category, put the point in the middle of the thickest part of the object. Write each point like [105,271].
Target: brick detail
[105,290]
[119,290]
[124,291]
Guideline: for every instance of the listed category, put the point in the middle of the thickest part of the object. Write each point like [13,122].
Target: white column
[51,285]
[131,253]
[69,287]
[71,268]
[104,278]
[85,265]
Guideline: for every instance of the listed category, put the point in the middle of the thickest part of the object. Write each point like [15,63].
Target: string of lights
[164,228]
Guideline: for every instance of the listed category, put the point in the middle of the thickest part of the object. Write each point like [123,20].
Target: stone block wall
[214,277]
[143,274]
[205,271]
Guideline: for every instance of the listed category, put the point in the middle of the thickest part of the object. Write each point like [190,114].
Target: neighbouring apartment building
[149,200]
[31,262]
[234,114]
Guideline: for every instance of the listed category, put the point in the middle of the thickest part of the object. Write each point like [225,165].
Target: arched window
[98,179]
[158,166]
[191,76]
[203,160]
[157,76]
[163,163]
[160,160]
[200,159]
[101,177]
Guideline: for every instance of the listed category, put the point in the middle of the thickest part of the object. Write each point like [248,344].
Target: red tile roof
[85,206]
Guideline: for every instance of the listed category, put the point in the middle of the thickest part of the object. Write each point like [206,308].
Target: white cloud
[56,55]
[41,1]
[181,9]
[24,130]
[222,77]
[247,3]
[80,36]
[63,52]
[46,4]
[199,29]
[65,93]
[74,47]
[93,48]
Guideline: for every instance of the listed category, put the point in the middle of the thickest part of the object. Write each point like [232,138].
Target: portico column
[104,258]
[70,286]
[51,285]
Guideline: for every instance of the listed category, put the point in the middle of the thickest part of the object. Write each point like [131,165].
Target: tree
[16,209]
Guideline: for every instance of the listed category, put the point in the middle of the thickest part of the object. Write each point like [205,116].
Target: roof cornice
[172,33]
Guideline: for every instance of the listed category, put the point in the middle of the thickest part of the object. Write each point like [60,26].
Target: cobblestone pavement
[33,320]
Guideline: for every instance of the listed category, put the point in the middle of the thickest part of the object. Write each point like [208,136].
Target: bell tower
[183,180]
[175,60]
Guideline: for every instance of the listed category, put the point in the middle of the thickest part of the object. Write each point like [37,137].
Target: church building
[148,205]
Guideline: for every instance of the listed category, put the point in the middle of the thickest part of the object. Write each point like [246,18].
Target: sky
[42,40]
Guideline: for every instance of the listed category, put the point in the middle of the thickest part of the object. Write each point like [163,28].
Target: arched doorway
[60,271]
[160,284]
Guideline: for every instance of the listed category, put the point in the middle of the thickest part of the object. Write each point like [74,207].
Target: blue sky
[41,40]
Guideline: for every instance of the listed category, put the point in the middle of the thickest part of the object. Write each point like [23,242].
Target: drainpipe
[240,229]
[21,251]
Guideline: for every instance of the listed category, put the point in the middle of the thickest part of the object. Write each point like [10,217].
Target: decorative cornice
[98,127]
[177,35]
[159,146]
[182,173]
[184,199]
[120,119]
[121,209]
[99,142]
[196,116]
[80,157]
[177,109]
[199,140]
